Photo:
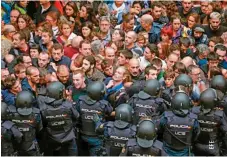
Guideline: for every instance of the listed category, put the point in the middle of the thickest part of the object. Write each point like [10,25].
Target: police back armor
[179,130]
[27,125]
[88,108]
[9,133]
[146,106]
[135,150]
[58,120]
[118,138]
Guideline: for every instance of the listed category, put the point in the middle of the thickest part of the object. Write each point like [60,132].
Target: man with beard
[64,76]
[43,61]
[199,35]
[91,72]
[215,28]
[134,69]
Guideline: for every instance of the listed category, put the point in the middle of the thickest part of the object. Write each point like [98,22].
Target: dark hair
[35,46]
[156,61]
[121,32]
[57,46]
[72,5]
[212,56]
[216,40]
[169,74]
[180,67]
[9,82]
[185,41]
[128,54]
[90,59]
[156,4]
[127,17]
[84,42]
[148,68]
[219,47]
[141,3]
[153,48]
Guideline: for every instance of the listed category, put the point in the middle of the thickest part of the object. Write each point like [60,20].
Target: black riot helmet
[123,116]
[208,99]
[180,104]
[152,87]
[4,107]
[218,82]
[55,90]
[96,90]
[146,133]
[24,101]
[183,80]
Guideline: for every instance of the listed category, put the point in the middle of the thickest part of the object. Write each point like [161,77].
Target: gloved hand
[96,118]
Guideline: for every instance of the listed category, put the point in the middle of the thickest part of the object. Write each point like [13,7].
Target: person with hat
[213,125]
[179,127]
[29,122]
[145,143]
[117,132]
[199,34]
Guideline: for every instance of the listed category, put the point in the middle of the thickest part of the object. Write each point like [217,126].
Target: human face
[213,63]
[197,34]
[78,81]
[83,12]
[129,39]
[66,30]
[43,60]
[110,54]
[176,24]
[16,41]
[50,20]
[177,52]
[63,76]
[104,26]
[22,74]
[195,75]
[187,5]
[13,16]
[85,49]
[129,26]
[86,66]
[204,7]
[165,38]
[152,74]
[86,31]
[221,54]
[4,74]
[69,10]
[16,88]
[121,59]
[147,54]
[116,36]
[137,7]
[27,61]
[119,75]
[134,69]
[171,60]
[141,43]
[157,12]
[23,3]
[46,38]
[109,71]
[211,46]
[215,23]
[21,23]
[34,77]
[191,21]
[57,54]
[34,53]
[169,82]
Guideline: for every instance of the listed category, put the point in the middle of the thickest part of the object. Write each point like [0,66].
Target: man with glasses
[220,50]
[104,26]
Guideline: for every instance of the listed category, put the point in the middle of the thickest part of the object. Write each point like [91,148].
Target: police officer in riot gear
[59,117]
[117,133]
[145,143]
[147,103]
[179,127]
[29,122]
[212,122]
[89,105]
[9,133]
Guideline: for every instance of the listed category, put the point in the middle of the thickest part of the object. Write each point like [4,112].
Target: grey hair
[201,48]
[104,18]
[215,15]
[96,45]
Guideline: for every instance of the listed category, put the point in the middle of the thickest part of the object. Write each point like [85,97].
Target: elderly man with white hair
[148,25]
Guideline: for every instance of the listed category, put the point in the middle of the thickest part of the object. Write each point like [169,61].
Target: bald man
[73,48]
[134,69]
[8,32]
[130,40]
[153,28]
[63,75]
[187,61]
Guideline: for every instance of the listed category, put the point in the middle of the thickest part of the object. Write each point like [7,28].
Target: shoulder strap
[8,124]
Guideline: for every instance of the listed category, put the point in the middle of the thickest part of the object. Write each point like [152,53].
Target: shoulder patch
[8,124]
[219,113]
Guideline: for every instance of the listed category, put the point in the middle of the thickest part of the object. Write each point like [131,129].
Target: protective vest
[27,126]
[88,108]
[6,139]
[145,106]
[118,138]
[135,150]
[209,127]
[179,130]
[59,120]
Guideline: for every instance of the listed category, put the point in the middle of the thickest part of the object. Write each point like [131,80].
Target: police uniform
[145,105]
[211,124]
[29,126]
[9,132]
[87,107]
[115,137]
[59,118]
[178,133]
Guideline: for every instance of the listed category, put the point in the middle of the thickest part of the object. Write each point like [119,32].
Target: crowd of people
[115,77]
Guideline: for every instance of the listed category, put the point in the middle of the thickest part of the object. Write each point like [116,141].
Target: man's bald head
[76,41]
[63,73]
[134,61]
[134,67]
[8,31]
[30,70]
[187,61]
[148,19]
[62,68]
